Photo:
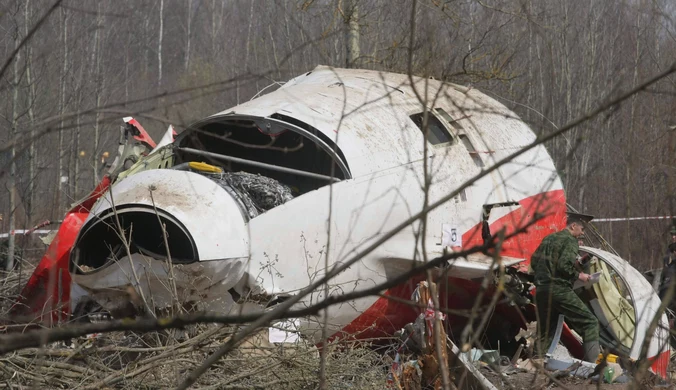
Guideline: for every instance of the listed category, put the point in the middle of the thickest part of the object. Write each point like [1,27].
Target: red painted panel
[661,364]
[385,316]
[46,296]
[144,137]
[550,206]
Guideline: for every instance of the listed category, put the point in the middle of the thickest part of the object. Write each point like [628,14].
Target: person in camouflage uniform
[553,264]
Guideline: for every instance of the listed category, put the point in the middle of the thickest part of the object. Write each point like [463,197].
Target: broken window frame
[619,282]
[449,119]
[431,116]
[461,135]
[269,125]
[87,249]
[273,126]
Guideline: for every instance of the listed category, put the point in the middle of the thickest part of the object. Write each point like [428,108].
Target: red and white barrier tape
[632,218]
[18,232]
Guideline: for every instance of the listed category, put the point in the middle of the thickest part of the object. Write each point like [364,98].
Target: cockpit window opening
[453,122]
[470,149]
[296,156]
[315,132]
[437,134]
[460,132]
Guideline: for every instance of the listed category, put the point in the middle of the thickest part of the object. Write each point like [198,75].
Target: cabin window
[438,134]
[453,122]
[472,152]
[463,137]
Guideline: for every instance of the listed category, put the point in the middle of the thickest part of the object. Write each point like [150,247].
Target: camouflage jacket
[553,262]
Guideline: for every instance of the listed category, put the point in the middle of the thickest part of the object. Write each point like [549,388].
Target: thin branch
[30,34]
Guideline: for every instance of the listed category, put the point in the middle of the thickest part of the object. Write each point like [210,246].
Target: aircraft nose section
[125,230]
[158,232]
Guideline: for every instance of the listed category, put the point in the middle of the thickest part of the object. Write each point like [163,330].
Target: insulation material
[257,193]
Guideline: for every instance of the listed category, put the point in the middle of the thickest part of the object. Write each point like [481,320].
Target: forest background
[73,69]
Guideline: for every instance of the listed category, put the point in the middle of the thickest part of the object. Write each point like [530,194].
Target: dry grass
[161,360]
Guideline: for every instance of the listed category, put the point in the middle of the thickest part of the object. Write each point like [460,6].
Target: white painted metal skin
[192,199]
[167,139]
[366,113]
[211,217]
[646,304]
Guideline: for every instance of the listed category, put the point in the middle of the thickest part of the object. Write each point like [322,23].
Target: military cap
[673,230]
[580,218]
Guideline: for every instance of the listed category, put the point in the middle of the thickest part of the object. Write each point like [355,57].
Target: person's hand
[584,277]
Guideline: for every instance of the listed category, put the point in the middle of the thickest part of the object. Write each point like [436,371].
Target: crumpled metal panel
[153,281]
[211,215]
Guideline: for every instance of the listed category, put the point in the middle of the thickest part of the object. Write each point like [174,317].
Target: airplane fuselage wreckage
[256,201]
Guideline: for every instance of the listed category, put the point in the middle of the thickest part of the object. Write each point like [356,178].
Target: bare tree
[11,185]
[98,90]
[351,17]
[548,61]
[159,45]
[62,109]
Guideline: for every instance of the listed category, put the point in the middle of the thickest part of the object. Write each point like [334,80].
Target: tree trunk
[287,23]
[99,76]
[62,109]
[352,36]
[274,51]
[12,165]
[159,46]
[146,47]
[630,152]
[29,204]
[246,53]
[186,64]
[248,36]
[76,149]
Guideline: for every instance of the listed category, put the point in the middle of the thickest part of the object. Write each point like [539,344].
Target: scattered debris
[420,367]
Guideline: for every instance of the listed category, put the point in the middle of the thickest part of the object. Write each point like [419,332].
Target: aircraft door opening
[611,301]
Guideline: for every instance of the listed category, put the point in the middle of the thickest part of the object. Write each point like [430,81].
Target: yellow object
[610,358]
[204,167]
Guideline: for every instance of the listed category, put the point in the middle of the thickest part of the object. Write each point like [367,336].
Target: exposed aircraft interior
[307,158]
[261,162]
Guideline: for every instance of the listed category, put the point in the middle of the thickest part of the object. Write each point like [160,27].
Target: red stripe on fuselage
[386,316]
[549,207]
[661,363]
